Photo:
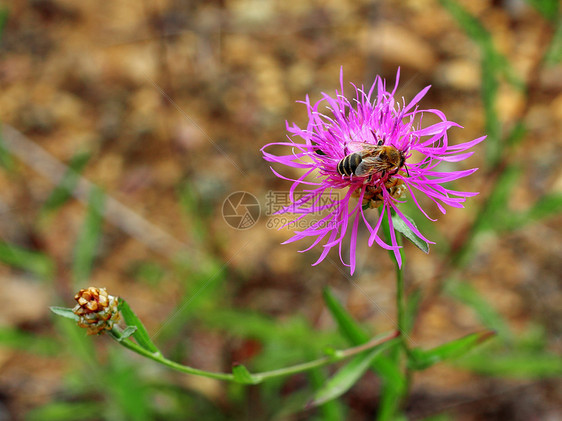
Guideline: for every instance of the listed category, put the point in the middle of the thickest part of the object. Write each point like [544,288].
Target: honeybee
[372,159]
[373,196]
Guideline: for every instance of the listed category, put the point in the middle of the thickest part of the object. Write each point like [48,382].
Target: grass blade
[87,243]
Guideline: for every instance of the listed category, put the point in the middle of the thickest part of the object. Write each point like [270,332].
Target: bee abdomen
[349,164]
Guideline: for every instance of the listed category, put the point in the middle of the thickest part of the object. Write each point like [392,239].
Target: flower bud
[97,311]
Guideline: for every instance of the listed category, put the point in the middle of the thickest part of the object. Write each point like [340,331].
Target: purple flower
[360,155]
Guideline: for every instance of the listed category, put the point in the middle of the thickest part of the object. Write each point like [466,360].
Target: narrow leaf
[242,375]
[400,226]
[129,330]
[467,294]
[550,204]
[6,159]
[63,191]
[3,19]
[471,25]
[523,365]
[87,243]
[29,342]
[141,334]
[489,92]
[333,410]
[548,8]
[346,377]
[65,411]
[554,54]
[476,31]
[419,359]
[389,402]
[64,312]
[32,261]
[349,327]
[382,365]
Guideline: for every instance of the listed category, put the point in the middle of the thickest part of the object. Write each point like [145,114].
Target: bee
[372,159]
[373,196]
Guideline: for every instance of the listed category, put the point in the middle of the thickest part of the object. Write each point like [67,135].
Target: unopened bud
[97,311]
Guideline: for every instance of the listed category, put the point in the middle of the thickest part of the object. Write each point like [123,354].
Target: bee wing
[361,145]
[367,166]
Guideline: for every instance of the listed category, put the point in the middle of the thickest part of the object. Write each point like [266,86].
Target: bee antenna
[407,172]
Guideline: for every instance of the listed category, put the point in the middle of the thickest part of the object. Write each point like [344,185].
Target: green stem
[158,357]
[400,357]
[257,377]
[400,296]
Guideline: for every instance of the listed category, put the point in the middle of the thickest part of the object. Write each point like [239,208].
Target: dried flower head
[97,311]
[365,147]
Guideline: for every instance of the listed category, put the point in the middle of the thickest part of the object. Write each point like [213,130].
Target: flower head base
[97,311]
[361,155]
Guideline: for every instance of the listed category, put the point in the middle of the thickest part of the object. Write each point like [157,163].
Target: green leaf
[348,327]
[472,26]
[6,160]
[129,330]
[333,410]
[389,402]
[547,8]
[489,92]
[29,342]
[554,54]
[141,334]
[382,365]
[476,31]
[242,375]
[419,359]
[516,134]
[127,389]
[550,204]
[494,216]
[64,312]
[400,226]
[517,364]
[87,243]
[346,377]
[32,261]
[63,191]
[65,411]
[468,295]
[3,19]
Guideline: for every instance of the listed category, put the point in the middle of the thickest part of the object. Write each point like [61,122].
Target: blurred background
[125,127]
